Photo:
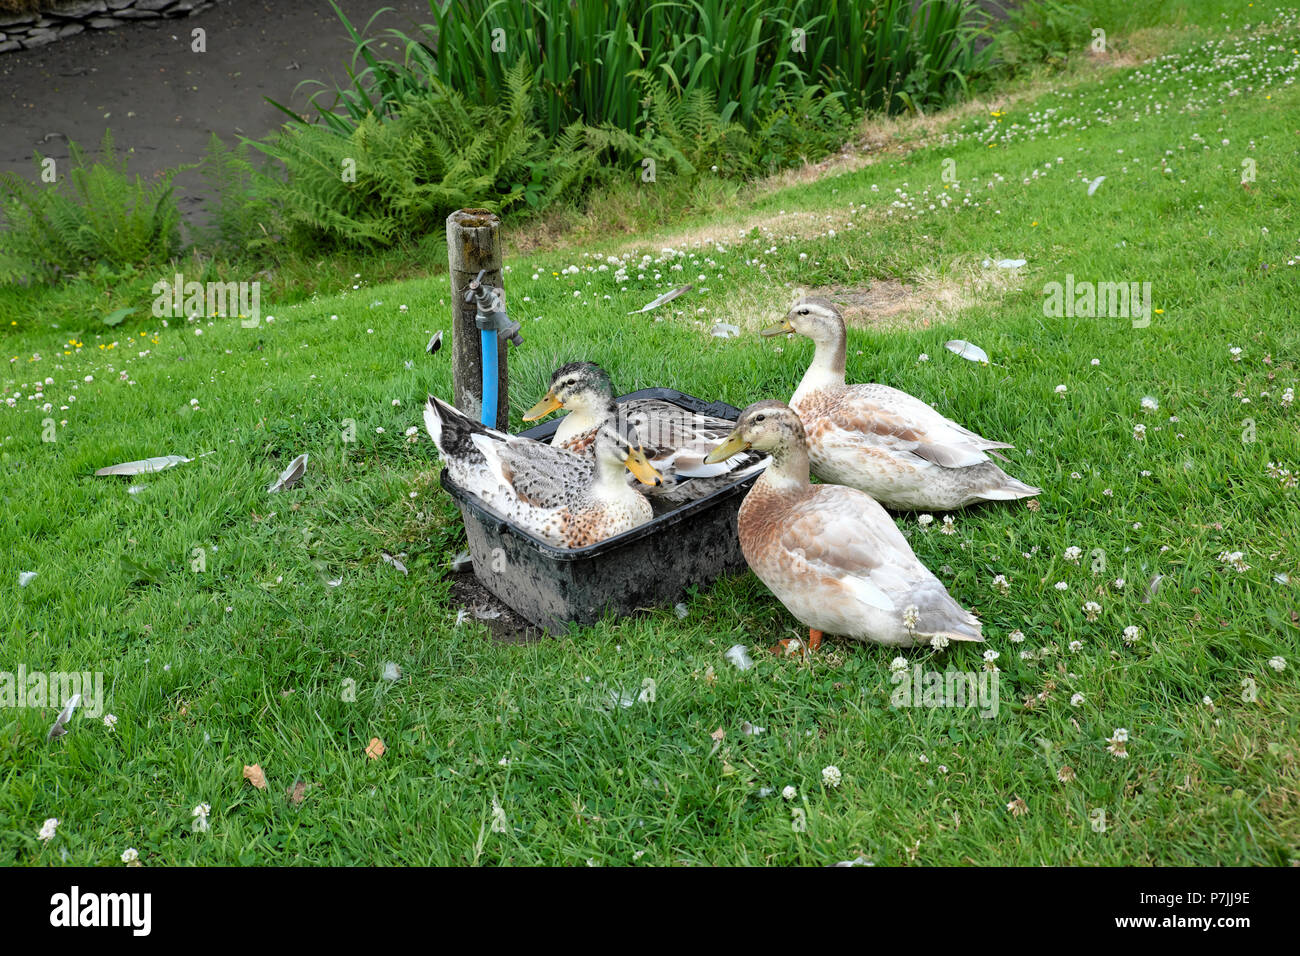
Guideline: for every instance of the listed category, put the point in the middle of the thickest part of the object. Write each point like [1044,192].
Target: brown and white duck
[831,554]
[881,440]
[566,499]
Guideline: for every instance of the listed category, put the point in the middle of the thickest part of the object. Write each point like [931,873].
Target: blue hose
[487,339]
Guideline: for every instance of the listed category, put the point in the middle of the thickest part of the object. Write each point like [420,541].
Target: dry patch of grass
[935,295]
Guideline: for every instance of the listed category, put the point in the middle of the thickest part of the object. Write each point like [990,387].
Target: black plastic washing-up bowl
[651,565]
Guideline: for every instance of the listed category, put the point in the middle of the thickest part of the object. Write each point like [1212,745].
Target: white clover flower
[130,855]
[898,664]
[1061,586]
[991,655]
[1076,700]
[938,642]
[831,776]
[948,527]
[1076,646]
[47,830]
[110,721]
[1117,743]
[910,615]
[1092,610]
[1001,584]
[1119,584]
[1060,390]
[1277,663]
[1016,637]
[1132,634]
[1149,403]
[923,357]
[1235,560]
[925,520]
[1235,352]
[1072,554]
[789,793]
[1096,361]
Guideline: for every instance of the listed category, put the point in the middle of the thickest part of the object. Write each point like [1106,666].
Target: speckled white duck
[674,439]
[881,440]
[567,499]
[831,554]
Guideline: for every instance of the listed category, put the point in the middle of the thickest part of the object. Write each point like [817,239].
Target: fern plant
[402,174]
[95,214]
[240,216]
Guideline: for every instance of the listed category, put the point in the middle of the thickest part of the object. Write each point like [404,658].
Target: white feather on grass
[145,466]
[738,654]
[290,476]
[967,350]
[65,715]
[666,297]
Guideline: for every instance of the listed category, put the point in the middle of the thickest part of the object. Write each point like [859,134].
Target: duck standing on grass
[831,554]
[675,440]
[883,441]
[566,499]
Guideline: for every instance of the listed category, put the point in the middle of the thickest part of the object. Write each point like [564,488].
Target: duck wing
[888,417]
[492,464]
[846,536]
[533,472]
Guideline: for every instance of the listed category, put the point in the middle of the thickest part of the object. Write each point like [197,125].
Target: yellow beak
[733,444]
[547,405]
[642,470]
[785,327]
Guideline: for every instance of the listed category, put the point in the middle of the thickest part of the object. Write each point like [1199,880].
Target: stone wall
[26,31]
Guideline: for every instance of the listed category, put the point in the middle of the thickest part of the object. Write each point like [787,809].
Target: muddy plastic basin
[649,566]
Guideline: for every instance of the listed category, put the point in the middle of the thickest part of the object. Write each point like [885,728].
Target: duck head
[579,387]
[617,450]
[813,316]
[771,427]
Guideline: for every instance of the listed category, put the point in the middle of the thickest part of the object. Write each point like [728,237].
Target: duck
[882,440]
[566,499]
[831,554]
[675,439]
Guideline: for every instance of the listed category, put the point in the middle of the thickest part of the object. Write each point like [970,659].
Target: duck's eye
[759,418]
[803,311]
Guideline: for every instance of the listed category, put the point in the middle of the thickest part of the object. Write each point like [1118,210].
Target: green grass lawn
[256,659]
